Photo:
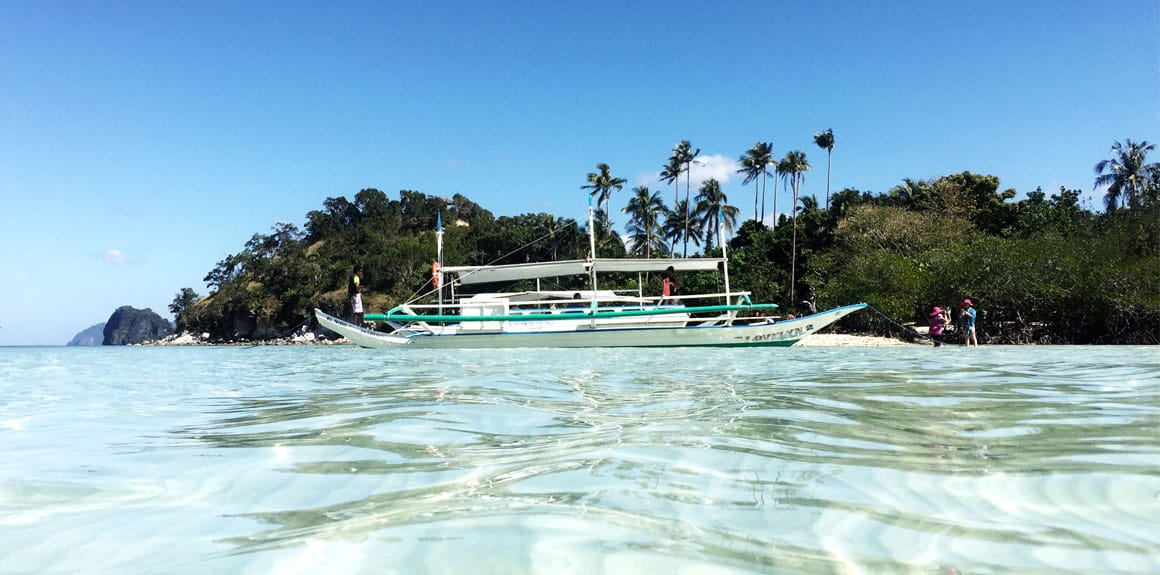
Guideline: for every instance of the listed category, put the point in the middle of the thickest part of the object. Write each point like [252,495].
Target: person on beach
[938,321]
[967,323]
[670,285]
[354,290]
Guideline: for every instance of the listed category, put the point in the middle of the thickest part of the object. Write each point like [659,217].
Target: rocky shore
[300,337]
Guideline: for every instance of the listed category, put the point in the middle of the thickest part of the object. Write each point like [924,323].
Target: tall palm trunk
[829,153]
[762,220]
[793,258]
[755,190]
[676,202]
[688,183]
[774,226]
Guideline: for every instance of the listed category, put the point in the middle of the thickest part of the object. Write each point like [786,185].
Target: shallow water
[796,460]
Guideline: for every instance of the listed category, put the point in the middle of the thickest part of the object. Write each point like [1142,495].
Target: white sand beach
[847,340]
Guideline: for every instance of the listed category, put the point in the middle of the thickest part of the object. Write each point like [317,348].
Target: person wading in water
[354,290]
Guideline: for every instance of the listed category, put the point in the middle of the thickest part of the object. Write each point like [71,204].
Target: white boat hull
[781,333]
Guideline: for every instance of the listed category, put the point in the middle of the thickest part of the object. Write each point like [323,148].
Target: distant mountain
[94,335]
[130,325]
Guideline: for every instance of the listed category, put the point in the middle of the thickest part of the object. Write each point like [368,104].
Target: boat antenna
[419,294]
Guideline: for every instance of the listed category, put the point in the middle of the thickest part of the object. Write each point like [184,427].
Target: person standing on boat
[670,285]
[354,290]
[967,321]
[938,321]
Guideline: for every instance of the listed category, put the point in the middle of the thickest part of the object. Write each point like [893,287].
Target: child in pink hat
[938,321]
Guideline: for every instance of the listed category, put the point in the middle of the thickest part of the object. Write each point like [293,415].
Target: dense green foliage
[1038,270]
[1042,269]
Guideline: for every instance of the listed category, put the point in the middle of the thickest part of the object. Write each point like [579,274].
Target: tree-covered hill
[1042,269]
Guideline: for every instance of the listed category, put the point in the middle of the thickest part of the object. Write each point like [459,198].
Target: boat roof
[468,275]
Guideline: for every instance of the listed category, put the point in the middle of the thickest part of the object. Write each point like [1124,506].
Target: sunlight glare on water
[795,460]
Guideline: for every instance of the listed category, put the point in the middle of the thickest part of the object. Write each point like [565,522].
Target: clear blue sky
[142,142]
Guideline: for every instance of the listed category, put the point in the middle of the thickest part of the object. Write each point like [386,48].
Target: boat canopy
[468,275]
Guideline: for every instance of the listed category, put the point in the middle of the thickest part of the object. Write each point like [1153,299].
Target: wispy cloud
[704,168]
[117,257]
[715,167]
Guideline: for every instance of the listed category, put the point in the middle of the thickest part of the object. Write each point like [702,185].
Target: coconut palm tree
[750,169]
[795,166]
[825,141]
[1126,174]
[608,241]
[711,201]
[671,174]
[812,221]
[755,163]
[602,184]
[781,170]
[686,154]
[645,210]
[677,223]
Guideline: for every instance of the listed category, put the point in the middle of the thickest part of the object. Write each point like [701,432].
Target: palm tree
[676,226]
[671,174]
[755,163]
[813,222]
[825,141]
[711,201]
[645,209]
[1125,174]
[795,167]
[781,169]
[607,240]
[909,194]
[685,153]
[751,170]
[602,184]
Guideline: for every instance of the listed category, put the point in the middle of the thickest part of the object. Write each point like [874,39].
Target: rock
[129,325]
[94,335]
[185,338]
[307,337]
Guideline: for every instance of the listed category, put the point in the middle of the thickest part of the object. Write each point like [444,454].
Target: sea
[336,459]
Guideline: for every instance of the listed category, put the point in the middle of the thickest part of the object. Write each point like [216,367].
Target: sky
[143,142]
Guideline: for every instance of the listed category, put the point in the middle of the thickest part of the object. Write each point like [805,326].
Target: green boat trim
[391,315]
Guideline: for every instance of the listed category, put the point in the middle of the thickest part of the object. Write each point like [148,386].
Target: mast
[592,257]
[724,253]
[438,271]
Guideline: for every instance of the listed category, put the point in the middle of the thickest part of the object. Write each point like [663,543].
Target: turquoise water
[795,460]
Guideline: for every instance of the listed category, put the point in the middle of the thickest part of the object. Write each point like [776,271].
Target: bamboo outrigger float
[583,318]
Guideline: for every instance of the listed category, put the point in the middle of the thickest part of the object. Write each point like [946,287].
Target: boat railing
[505,305]
[702,306]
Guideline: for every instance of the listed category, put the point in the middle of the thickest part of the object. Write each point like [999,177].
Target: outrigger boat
[581,318]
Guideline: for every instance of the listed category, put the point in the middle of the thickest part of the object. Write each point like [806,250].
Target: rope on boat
[908,328]
[415,296]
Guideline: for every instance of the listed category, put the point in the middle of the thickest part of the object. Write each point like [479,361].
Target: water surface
[796,460]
